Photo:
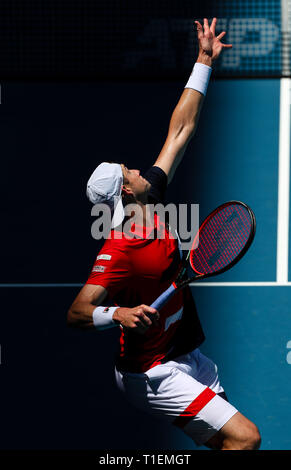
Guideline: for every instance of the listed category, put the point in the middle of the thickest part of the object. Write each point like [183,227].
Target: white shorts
[184,392]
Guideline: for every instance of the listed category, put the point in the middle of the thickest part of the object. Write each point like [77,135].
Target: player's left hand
[209,44]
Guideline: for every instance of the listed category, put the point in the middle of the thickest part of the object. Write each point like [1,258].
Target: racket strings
[221,239]
[226,235]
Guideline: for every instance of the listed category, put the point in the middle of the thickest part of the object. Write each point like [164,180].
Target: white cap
[104,186]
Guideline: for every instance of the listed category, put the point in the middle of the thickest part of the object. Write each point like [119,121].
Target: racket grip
[164,297]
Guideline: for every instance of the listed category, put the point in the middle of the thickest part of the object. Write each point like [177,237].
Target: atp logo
[250,37]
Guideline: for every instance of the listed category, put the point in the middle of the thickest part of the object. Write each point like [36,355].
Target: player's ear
[126,191]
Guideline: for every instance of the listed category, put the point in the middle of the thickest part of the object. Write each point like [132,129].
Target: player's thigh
[237,431]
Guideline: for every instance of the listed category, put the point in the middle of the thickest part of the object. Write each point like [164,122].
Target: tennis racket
[221,241]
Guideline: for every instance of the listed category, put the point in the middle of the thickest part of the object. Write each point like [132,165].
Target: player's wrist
[103,317]
[199,78]
[117,315]
[204,58]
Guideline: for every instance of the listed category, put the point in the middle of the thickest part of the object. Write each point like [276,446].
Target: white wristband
[199,78]
[102,317]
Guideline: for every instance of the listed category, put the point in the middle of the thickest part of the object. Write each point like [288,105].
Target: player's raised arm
[185,117]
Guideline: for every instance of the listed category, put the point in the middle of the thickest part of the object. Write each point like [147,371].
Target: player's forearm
[86,315]
[186,114]
[185,117]
[80,315]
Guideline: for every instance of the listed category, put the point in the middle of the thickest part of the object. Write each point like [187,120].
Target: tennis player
[159,367]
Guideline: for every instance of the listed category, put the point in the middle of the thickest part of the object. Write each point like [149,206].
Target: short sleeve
[159,180]
[111,270]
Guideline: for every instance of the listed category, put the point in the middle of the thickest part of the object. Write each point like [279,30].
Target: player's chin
[147,186]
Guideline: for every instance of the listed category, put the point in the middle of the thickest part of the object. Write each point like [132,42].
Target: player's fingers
[153,314]
[206,25]
[227,45]
[142,318]
[213,25]
[148,309]
[199,29]
[220,36]
[140,325]
[146,320]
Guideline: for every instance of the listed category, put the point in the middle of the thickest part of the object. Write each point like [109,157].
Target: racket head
[223,239]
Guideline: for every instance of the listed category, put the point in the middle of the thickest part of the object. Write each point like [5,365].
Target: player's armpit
[80,313]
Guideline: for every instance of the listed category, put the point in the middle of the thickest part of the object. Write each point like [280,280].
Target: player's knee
[254,438]
[248,438]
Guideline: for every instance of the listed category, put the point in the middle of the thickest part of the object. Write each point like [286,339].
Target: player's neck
[141,213]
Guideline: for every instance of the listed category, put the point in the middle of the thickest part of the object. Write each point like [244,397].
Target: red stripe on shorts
[194,407]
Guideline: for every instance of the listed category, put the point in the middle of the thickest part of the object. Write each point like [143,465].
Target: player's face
[135,182]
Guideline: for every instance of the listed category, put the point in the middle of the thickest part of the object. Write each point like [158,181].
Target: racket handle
[164,297]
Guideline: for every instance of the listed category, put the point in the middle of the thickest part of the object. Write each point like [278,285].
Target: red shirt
[136,271]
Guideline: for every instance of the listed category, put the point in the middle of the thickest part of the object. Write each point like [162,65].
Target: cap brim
[118,214]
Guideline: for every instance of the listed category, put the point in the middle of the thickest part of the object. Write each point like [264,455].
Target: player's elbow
[182,132]
[188,132]
[71,321]
[69,318]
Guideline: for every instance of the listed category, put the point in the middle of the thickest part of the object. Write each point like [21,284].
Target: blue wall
[56,382]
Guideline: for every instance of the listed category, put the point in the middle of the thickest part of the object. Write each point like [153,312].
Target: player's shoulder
[116,243]
[112,255]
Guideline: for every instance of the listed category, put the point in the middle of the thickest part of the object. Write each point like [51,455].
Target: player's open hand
[137,319]
[209,44]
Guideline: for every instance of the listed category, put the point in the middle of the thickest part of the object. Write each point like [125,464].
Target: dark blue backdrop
[57,384]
